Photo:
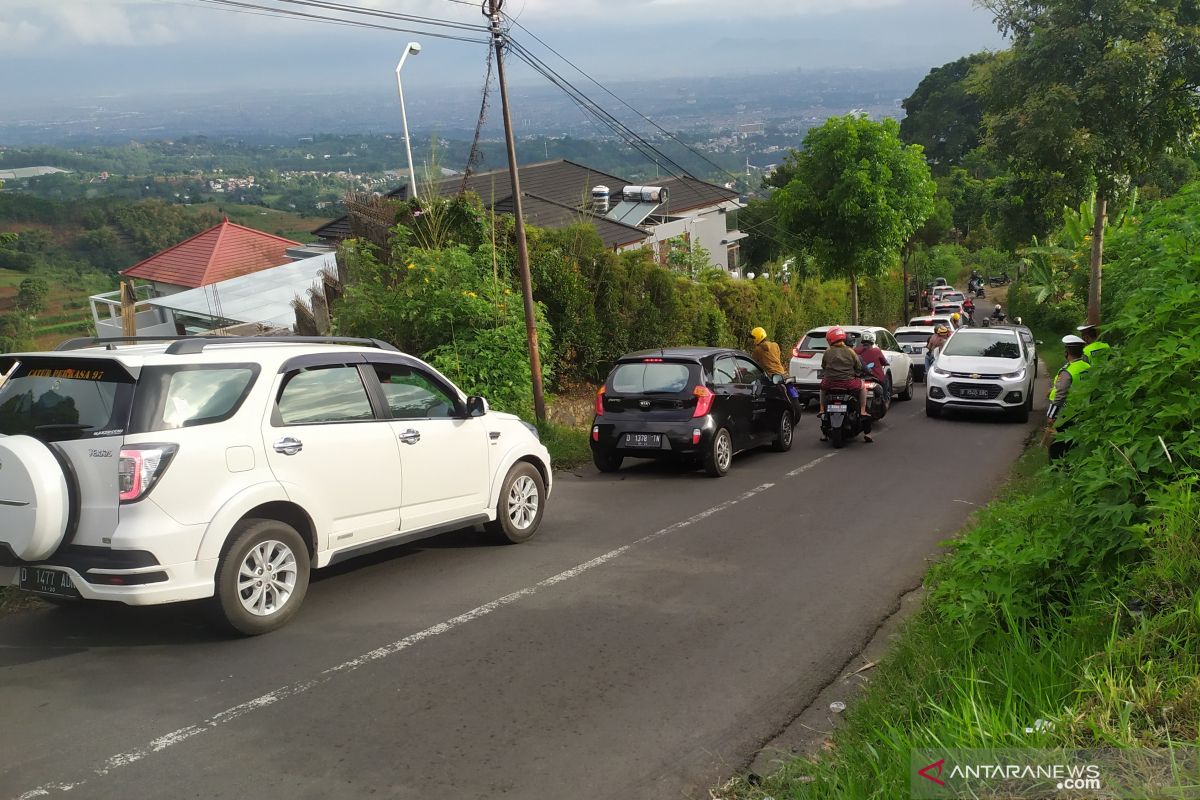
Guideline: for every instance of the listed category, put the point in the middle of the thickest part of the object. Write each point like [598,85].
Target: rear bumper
[174,583]
[608,437]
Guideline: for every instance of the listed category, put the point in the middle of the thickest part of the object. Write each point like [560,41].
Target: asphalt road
[659,629]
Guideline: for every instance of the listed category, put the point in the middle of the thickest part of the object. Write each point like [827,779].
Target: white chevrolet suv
[156,472]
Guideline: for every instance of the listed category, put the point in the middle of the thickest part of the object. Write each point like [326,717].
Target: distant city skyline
[67,51]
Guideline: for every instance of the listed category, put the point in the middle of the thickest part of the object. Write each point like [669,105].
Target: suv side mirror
[476,406]
[777,379]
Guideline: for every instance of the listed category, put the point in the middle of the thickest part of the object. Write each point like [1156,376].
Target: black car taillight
[140,467]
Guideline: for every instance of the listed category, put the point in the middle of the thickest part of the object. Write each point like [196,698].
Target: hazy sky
[53,50]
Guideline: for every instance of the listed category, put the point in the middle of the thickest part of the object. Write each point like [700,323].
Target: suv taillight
[140,467]
[600,402]
[704,401]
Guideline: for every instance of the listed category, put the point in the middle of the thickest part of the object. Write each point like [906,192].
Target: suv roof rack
[189,345]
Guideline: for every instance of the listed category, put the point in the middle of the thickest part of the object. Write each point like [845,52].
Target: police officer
[1091,342]
[1064,382]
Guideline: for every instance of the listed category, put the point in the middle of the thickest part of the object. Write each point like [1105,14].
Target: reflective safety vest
[1074,369]
[1093,348]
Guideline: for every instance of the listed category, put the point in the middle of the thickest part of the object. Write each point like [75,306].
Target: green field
[270,220]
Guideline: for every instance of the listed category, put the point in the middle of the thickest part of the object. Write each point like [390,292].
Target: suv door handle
[288,446]
[410,436]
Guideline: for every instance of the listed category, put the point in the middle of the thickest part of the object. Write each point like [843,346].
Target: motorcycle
[999,280]
[843,420]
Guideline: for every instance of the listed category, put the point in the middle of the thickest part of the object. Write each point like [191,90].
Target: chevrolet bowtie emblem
[976,375]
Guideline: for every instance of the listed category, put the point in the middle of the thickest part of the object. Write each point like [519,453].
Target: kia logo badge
[645,404]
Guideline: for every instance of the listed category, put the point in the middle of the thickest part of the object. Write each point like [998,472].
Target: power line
[328,5]
[261,10]
[611,94]
[634,139]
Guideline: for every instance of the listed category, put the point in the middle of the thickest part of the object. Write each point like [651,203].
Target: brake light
[704,401]
[600,402]
[140,467]
[595,433]
[805,355]
[652,361]
[796,351]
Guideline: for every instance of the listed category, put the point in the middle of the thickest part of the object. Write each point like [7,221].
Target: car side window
[748,372]
[322,395]
[725,371]
[413,394]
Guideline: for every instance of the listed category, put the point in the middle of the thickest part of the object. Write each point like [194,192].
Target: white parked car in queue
[805,365]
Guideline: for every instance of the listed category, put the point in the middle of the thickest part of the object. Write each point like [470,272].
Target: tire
[718,456]
[907,392]
[837,437]
[1021,414]
[521,506]
[932,409]
[786,433]
[253,543]
[607,462]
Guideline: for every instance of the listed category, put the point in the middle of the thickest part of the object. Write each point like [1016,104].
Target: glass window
[725,371]
[324,394]
[651,378]
[748,371]
[61,399]
[413,394]
[913,337]
[180,397]
[983,345]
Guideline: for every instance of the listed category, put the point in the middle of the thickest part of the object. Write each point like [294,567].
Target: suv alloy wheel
[262,578]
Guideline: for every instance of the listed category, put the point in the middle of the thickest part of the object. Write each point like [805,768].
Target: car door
[444,453]
[753,380]
[733,400]
[898,360]
[333,455]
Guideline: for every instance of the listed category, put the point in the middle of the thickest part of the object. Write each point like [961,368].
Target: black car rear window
[655,377]
[57,399]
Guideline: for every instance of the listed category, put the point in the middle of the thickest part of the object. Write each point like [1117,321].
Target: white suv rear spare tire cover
[34,498]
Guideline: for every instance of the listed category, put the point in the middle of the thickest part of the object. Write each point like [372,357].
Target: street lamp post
[412,49]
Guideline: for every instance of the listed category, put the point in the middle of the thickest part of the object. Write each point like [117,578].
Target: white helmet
[1072,339]
[867,337]
[998,308]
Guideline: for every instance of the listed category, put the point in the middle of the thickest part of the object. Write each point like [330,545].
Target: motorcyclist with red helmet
[840,368]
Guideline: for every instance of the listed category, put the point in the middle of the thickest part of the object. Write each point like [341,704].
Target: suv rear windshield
[57,399]
[655,377]
[912,337]
[983,345]
[815,340]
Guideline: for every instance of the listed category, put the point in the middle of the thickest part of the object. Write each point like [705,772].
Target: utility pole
[535,359]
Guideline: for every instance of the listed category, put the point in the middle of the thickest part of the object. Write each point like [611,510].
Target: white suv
[149,473]
[983,369]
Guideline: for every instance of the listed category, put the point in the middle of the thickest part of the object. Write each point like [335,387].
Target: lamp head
[414,48]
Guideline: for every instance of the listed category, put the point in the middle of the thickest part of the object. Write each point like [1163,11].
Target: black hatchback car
[700,404]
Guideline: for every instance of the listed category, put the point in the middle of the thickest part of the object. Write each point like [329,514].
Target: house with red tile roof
[224,251]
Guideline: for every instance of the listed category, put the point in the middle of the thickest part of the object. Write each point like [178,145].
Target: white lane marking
[811,464]
[967,503]
[270,698]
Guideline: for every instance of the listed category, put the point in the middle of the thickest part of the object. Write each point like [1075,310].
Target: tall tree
[856,195]
[1093,89]
[943,116]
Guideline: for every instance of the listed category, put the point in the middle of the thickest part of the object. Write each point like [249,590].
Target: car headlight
[532,429]
[1014,376]
[940,371]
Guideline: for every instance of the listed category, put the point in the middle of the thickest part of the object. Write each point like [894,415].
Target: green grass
[1101,675]
[568,446]
[13,600]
